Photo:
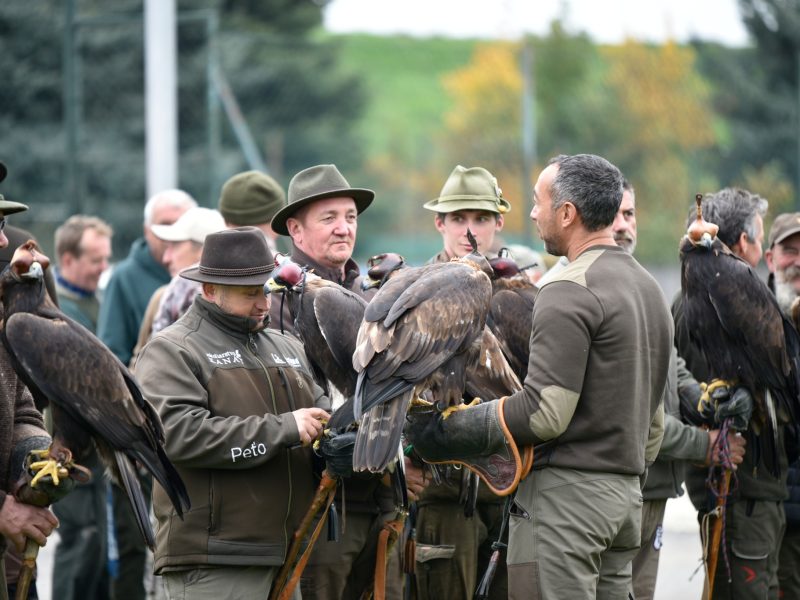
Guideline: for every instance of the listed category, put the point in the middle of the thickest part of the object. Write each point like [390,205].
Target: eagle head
[701,232]
[381,267]
[28,262]
[287,274]
[503,265]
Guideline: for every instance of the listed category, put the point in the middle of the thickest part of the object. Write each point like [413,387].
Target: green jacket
[78,307]
[225,396]
[132,283]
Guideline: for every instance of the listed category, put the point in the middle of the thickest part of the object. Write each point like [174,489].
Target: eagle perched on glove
[733,318]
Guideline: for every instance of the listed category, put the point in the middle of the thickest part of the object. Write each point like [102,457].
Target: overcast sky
[608,21]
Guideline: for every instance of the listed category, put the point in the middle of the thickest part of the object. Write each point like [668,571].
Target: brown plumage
[416,338]
[511,313]
[735,321]
[93,396]
[326,318]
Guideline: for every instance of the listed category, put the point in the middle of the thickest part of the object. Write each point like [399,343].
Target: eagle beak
[368,283]
[272,286]
[706,241]
[35,271]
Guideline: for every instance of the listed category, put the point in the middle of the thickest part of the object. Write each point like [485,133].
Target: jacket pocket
[427,552]
[523,581]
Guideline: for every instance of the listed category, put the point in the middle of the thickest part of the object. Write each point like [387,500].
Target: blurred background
[684,97]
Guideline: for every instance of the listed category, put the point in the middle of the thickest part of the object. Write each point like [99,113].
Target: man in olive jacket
[237,401]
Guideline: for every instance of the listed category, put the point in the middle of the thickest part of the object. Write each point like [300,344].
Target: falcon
[93,397]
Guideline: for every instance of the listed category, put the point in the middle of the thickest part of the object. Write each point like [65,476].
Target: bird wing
[430,320]
[511,319]
[489,374]
[339,314]
[74,370]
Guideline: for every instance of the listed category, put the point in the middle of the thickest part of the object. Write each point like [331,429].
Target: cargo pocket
[426,553]
[437,575]
[750,549]
[523,581]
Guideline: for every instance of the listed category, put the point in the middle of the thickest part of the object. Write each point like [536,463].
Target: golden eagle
[92,395]
[415,338]
[733,318]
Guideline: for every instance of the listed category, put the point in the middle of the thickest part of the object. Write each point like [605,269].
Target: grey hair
[171,198]
[592,184]
[734,210]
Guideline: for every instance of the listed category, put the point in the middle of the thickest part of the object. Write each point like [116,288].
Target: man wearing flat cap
[240,409]
[21,430]
[321,218]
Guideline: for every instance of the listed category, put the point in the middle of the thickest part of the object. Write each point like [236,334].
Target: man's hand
[736,448]
[19,520]
[415,480]
[309,423]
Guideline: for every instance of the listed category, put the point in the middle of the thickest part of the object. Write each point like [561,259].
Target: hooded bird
[416,339]
[326,318]
[93,396]
[735,321]
[511,313]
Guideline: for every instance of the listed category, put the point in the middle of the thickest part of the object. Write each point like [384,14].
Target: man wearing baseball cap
[183,242]
[783,261]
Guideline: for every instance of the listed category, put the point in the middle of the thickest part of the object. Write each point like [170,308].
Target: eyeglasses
[2,223]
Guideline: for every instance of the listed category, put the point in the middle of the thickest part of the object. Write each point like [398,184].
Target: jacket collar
[140,253]
[350,269]
[232,324]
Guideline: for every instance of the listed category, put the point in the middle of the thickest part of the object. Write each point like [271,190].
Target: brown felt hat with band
[317,183]
[470,189]
[6,206]
[233,257]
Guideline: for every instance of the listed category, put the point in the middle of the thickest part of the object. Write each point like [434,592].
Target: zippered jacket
[225,396]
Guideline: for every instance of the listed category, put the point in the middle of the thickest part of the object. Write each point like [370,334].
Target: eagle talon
[52,467]
[451,409]
[707,398]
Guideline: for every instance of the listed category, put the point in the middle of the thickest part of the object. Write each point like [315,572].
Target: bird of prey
[93,397]
[735,321]
[326,318]
[416,339]
[511,313]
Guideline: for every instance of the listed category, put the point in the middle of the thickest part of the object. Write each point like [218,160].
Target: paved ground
[680,556]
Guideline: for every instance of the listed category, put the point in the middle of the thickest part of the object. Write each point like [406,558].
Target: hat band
[494,199]
[242,272]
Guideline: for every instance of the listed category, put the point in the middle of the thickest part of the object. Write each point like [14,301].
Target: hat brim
[9,208]
[363,198]
[194,274]
[169,233]
[454,203]
[786,234]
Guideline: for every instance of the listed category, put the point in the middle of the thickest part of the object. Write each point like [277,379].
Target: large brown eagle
[93,397]
[732,317]
[326,318]
[415,340]
[511,312]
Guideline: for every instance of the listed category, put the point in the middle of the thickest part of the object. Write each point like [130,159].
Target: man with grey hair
[132,283]
[754,518]
[575,523]
[682,442]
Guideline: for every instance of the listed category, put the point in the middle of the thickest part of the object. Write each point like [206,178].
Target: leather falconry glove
[475,436]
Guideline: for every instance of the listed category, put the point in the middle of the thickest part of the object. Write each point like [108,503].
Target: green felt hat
[470,189]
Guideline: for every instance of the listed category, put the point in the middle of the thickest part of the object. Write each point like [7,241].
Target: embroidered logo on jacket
[291,360]
[225,358]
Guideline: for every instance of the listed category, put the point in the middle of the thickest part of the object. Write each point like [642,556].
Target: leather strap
[390,531]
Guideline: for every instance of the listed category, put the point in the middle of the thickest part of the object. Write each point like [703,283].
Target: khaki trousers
[645,563]
[228,583]
[573,535]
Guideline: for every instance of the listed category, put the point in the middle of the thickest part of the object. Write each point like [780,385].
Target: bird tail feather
[133,489]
